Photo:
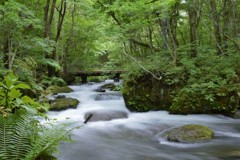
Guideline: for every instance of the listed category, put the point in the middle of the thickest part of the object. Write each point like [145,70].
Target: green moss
[189,134]
[56,89]
[110,86]
[143,93]
[64,103]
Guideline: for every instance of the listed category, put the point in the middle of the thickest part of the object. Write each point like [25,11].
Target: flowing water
[138,137]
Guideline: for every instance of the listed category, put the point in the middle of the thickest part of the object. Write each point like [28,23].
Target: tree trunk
[61,15]
[226,23]
[68,42]
[216,24]
[194,13]
[48,19]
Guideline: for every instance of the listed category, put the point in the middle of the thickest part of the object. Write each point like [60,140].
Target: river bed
[138,137]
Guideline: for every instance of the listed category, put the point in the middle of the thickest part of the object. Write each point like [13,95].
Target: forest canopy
[189,49]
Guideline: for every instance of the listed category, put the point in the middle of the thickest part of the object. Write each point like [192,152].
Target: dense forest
[177,55]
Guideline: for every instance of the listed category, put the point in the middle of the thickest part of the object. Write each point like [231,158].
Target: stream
[138,137]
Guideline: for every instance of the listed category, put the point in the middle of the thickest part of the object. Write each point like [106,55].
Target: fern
[15,131]
[23,138]
[47,143]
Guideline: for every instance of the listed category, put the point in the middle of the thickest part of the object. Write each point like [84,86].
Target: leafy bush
[22,136]
[50,81]
[208,83]
[212,86]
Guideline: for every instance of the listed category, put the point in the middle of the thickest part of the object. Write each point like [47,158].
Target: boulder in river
[52,90]
[63,103]
[107,96]
[110,86]
[189,134]
[104,115]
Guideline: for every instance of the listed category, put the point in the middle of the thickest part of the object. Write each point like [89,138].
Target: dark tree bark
[49,10]
[65,67]
[48,19]
[226,23]
[194,14]
[216,24]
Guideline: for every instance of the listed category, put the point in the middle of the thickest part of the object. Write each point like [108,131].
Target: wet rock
[109,86]
[105,115]
[63,103]
[52,90]
[189,134]
[108,96]
[100,90]
[60,96]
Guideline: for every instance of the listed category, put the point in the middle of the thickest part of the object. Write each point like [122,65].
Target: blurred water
[138,137]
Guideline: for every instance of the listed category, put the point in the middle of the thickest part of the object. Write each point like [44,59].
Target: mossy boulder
[56,89]
[144,93]
[174,93]
[64,103]
[189,134]
[109,86]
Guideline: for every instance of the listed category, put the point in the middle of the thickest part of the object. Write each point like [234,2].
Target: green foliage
[206,84]
[57,81]
[26,70]
[23,138]
[212,86]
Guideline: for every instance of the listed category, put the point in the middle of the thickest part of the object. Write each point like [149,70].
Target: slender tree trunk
[226,23]
[65,67]
[216,24]
[194,13]
[61,15]
[48,19]
[163,33]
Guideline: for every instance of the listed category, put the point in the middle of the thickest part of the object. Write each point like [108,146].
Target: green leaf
[14,94]
[21,86]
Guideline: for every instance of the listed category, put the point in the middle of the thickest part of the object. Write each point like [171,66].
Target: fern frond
[48,141]
[15,133]
[23,138]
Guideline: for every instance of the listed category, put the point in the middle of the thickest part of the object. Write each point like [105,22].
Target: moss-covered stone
[63,103]
[143,93]
[189,134]
[109,86]
[56,89]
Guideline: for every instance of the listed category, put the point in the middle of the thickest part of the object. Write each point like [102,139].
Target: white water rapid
[138,137]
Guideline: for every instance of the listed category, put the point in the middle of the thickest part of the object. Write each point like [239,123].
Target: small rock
[189,134]
[100,90]
[60,96]
[109,86]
